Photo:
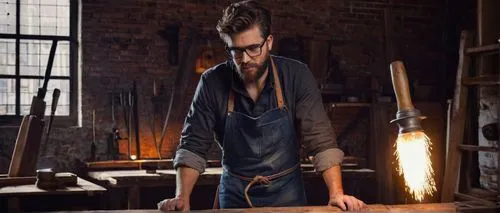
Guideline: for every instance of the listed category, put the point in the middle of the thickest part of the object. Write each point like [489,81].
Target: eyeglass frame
[244,50]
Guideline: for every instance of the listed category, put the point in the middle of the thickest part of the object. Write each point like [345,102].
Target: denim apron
[260,158]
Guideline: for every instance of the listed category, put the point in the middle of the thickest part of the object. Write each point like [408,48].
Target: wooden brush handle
[400,84]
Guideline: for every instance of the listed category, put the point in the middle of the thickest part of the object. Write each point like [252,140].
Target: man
[257,105]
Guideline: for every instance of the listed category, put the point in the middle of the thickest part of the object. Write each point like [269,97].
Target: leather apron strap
[277,90]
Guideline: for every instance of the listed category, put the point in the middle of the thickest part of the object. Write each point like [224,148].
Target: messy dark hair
[243,15]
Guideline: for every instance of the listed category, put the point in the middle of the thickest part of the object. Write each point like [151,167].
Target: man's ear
[270,42]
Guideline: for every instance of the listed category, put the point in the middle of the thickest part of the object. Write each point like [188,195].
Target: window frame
[73,39]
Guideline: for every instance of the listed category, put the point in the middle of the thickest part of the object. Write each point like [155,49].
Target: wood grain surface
[434,207]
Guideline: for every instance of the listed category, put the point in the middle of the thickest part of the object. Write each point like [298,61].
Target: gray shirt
[205,121]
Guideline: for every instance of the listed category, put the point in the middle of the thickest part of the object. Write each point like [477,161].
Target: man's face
[250,53]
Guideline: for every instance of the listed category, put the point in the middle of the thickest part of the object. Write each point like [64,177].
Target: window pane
[7,57]
[29,88]
[48,17]
[8,16]
[7,96]
[34,55]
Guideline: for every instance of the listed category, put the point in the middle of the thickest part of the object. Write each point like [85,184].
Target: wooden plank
[83,187]
[139,164]
[485,194]
[484,49]
[487,80]
[129,164]
[431,207]
[13,181]
[15,162]
[458,115]
[477,148]
[473,198]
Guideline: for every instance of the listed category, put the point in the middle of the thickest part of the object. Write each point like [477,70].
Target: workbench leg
[134,197]
[114,200]
[13,205]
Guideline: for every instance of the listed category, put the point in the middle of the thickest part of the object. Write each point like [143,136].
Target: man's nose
[245,58]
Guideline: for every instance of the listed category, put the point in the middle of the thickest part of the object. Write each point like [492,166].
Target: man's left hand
[347,203]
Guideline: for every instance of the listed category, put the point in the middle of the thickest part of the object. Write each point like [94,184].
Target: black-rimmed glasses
[251,50]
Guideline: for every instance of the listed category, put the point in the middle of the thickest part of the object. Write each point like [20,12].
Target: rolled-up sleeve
[315,130]
[197,134]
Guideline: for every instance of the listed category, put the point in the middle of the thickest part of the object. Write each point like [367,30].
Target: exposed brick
[120,44]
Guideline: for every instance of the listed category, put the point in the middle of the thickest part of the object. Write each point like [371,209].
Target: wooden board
[14,181]
[138,164]
[25,155]
[436,207]
[83,187]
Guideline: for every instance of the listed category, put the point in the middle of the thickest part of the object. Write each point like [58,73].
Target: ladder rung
[485,194]
[474,199]
[482,80]
[483,49]
[477,148]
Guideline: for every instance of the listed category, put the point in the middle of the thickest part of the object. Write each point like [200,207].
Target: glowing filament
[414,163]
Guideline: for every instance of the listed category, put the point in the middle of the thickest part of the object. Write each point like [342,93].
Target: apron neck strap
[277,90]
[277,86]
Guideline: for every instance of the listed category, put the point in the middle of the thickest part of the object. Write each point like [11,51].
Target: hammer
[408,118]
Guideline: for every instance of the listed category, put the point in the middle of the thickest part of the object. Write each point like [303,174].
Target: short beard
[260,72]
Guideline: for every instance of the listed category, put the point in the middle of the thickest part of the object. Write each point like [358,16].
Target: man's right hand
[174,204]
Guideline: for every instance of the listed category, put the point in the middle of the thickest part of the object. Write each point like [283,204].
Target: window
[28,29]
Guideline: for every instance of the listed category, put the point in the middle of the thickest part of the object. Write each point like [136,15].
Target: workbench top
[82,187]
[435,207]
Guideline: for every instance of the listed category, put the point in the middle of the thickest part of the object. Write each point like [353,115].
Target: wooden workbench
[133,180]
[436,207]
[14,193]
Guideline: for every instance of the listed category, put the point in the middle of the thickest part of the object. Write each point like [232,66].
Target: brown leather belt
[262,180]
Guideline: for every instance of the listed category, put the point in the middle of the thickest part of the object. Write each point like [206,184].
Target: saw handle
[55,99]
[401,88]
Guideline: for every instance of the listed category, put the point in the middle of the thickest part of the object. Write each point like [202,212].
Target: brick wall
[120,44]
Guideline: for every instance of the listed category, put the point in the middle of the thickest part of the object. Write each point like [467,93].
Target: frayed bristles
[414,163]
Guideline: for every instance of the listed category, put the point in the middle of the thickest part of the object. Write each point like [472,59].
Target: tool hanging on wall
[412,144]
[29,137]
[182,77]
[124,104]
[129,114]
[154,102]
[53,107]
[114,136]
[93,146]
[171,35]
[135,110]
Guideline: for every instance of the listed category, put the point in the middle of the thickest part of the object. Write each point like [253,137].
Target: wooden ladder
[460,150]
